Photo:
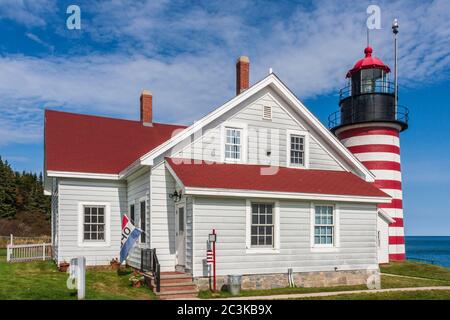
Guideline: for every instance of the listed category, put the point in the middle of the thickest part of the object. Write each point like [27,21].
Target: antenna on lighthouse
[368,37]
[395,32]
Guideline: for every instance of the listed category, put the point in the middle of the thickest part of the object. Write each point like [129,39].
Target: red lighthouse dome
[368,62]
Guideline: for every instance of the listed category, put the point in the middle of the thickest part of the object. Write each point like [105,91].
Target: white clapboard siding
[189,234]
[262,135]
[73,191]
[163,217]
[357,239]
[54,213]
[138,187]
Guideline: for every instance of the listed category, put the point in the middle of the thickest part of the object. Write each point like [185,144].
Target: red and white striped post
[211,256]
[377,146]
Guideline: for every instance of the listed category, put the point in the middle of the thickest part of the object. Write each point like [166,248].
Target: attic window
[267,112]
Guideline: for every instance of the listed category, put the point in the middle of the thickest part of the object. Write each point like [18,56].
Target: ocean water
[429,249]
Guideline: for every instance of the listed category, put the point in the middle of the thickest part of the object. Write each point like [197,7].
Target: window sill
[94,244]
[233,161]
[297,167]
[324,249]
[262,251]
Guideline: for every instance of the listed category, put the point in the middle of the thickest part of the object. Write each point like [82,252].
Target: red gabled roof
[83,143]
[248,177]
[368,62]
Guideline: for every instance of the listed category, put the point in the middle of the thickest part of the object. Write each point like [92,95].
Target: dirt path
[327,294]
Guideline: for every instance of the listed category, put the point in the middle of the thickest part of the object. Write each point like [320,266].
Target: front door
[180,227]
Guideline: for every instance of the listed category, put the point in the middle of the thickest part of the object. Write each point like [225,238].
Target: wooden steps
[176,285]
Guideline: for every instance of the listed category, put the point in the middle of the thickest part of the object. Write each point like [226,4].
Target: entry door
[180,226]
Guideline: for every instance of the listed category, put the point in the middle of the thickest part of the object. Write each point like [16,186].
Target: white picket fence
[28,252]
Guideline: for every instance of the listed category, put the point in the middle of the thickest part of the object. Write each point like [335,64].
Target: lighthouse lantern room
[368,123]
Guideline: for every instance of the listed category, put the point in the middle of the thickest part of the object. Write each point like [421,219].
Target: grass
[398,295]
[417,269]
[41,280]
[393,278]
[2,253]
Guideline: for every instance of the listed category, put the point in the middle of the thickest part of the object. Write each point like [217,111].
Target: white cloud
[31,13]
[186,57]
[36,39]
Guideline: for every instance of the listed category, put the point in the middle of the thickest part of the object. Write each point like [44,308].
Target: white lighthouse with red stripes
[369,123]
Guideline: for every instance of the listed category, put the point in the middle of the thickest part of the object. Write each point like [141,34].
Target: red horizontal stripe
[368,131]
[397,223]
[397,257]
[375,148]
[396,240]
[395,204]
[388,184]
[382,165]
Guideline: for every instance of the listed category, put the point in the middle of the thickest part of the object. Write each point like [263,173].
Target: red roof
[249,177]
[83,143]
[368,62]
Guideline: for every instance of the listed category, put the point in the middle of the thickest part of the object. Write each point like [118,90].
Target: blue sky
[184,52]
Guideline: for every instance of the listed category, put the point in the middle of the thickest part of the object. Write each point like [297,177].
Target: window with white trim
[324,225]
[94,223]
[143,220]
[262,225]
[297,150]
[233,144]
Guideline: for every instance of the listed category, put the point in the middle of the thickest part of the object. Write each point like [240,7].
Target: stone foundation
[371,278]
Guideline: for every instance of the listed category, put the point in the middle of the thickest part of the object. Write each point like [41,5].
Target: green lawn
[433,276]
[399,295]
[41,280]
[417,269]
[2,253]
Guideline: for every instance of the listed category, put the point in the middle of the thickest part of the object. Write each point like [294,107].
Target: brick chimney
[146,108]
[242,74]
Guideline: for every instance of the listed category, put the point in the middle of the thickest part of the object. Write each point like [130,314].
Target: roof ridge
[109,118]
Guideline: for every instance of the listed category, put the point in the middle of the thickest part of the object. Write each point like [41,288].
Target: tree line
[21,192]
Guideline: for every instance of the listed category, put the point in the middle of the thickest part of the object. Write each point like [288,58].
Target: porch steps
[176,285]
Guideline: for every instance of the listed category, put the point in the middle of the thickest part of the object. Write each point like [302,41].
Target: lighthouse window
[297,157]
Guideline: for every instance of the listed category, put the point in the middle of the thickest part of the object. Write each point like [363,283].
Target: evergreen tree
[7,191]
[21,192]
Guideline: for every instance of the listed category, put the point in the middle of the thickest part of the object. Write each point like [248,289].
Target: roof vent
[267,113]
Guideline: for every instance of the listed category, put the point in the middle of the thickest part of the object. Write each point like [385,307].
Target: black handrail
[355,115]
[367,87]
[150,263]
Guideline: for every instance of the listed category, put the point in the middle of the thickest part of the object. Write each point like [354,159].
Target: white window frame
[107,241]
[305,134]
[336,231]
[138,224]
[239,126]
[276,228]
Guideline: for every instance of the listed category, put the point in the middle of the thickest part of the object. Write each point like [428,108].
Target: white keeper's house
[281,190]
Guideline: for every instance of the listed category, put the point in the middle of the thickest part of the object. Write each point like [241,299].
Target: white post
[8,253]
[11,239]
[43,251]
[81,281]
